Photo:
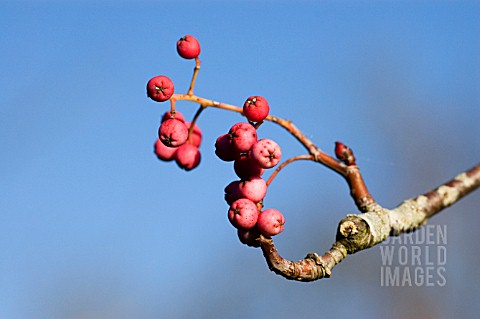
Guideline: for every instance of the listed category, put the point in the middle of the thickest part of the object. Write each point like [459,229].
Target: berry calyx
[187,156]
[270,222]
[242,136]
[188,47]
[256,108]
[160,88]
[243,214]
[173,133]
[266,153]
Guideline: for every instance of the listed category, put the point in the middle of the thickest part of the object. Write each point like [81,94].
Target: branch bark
[362,231]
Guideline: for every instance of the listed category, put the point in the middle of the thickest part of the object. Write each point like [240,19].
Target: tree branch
[362,231]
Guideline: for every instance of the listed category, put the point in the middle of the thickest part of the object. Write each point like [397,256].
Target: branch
[359,232]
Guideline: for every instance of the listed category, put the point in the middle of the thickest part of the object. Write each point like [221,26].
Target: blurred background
[92,225]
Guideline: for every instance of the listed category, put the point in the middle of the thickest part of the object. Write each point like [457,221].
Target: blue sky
[93,225]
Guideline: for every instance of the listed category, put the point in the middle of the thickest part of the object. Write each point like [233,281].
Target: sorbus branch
[373,225]
[359,232]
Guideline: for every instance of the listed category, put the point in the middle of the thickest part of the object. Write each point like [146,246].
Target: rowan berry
[242,136]
[196,136]
[176,115]
[256,108]
[164,152]
[188,47]
[160,88]
[187,156]
[224,150]
[270,222]
[232,192]
[266,153]
[245,167]
[173,133]
[254,189]
[243,213]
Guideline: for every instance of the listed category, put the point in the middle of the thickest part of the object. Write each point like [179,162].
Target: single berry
[188,47]
[243,213]
[249,236]
[270,222]
[196,136]
[187,156]
[245,168]
[256,108]
[173,133]
[164,152]
[254,189]
[242,136]
[232,192]
[224,150]
[160,88]
[176,115]
[266,153]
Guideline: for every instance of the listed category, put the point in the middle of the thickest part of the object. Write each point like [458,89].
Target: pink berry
[242,136]
[188,47]
[256,108]
[254,189]
[243,213]
[232,192]
[196,137]
[187,156]
[266,153]
[249,236]
[173,133]
[177,115]
[160,88]
[163,152]
[245,168]
[224,150]
[270,222]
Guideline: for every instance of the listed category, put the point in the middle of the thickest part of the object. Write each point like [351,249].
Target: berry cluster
[175,143]
[250,156]
[179,141]
[176,140]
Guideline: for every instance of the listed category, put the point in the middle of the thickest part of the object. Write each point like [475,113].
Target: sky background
[92,225]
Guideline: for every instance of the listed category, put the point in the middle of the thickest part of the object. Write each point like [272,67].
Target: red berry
[163,152]
[188,47]
[242,136]
[160,88]
[256,108]
[177,115]
[232,192]
[249,236]
[266,153]
[196,137]
[243,213]
[173,133]
[254,189]
[224,150]
[270,222]
[245,168]
[187,156]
